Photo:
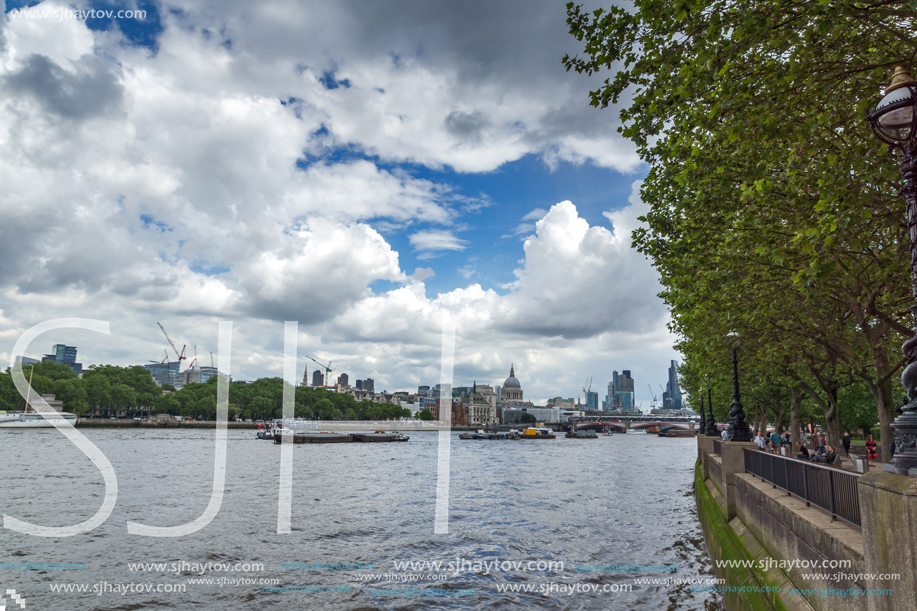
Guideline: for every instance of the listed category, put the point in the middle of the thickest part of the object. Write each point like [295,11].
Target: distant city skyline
[167,372]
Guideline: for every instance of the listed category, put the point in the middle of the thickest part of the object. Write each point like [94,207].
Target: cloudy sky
[367,168]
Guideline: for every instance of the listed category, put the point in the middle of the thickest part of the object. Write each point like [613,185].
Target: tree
[527,418]
[425,414]
[764,177]
[263,407]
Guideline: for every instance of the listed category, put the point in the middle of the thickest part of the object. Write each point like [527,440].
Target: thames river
[603,524]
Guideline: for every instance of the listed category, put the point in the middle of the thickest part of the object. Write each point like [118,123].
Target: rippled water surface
[624,500]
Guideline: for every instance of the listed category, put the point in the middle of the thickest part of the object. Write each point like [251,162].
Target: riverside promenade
[786,534]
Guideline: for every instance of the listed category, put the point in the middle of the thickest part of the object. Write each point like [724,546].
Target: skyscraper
[620,391]
[358,385]
[672,389]
[369,385]
[343,380]
[318,378]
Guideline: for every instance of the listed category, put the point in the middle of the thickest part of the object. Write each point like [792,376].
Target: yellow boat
[537,433]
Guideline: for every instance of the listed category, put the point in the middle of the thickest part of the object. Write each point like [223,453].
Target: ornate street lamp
[894,121]
[711,421]
[703,418]
[738,429]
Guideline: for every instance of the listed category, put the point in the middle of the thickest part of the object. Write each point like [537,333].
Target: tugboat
[537,433]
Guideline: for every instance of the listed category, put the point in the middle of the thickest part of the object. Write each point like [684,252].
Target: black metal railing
[718,447]
[833,490]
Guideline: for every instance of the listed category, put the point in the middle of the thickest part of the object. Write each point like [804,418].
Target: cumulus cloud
[316,272]
[576,282]
[261,166]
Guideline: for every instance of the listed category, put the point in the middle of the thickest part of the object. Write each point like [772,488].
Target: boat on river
[320,437]
[537,433]
[581,434]
[498,435]
[678,434]
[379,436]
[34,420]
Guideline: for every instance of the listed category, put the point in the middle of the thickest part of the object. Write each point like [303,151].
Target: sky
[369,169]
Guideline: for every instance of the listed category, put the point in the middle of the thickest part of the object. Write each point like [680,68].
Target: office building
[343,380]
[163,373]
[620,395]
[623,401]
[592,401]
[64,355]
[481,405]
[672,395]
[358,385]
[369,385]
[194,375]
[318,378]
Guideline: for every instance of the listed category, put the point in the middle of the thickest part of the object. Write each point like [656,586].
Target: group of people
[823,452]
[773,442]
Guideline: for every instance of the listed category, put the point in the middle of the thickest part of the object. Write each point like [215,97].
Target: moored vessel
[537,433]
[380,436]
[504,435]
[34,420]
[581,434]
[322,437]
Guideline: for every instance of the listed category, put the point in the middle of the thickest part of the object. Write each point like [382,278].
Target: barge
[537,433]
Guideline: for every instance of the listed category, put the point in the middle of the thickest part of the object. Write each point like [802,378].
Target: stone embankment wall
[793,547]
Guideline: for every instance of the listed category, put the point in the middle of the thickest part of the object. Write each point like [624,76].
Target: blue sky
[291,161]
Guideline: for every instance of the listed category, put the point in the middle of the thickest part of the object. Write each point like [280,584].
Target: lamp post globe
[894,121]
[737,430]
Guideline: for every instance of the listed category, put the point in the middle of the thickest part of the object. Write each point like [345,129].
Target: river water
[357,510]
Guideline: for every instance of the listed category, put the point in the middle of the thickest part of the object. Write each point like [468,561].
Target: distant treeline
[108,390]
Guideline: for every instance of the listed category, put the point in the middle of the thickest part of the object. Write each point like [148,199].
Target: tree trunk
[795,423]
[882,392]
[829,409]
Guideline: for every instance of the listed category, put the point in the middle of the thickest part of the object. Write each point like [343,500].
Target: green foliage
[425,414]
[107,389]
[772,209]
[527,419]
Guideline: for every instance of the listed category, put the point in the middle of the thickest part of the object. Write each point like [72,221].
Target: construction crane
[211,358]
[181,355]
[194,362]
[327,369]
[653,404]
[587,388]
[165,360]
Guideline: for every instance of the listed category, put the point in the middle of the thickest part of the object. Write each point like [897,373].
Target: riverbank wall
[777,552]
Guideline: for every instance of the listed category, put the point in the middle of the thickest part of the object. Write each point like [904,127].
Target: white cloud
[208,181]
[436,239]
